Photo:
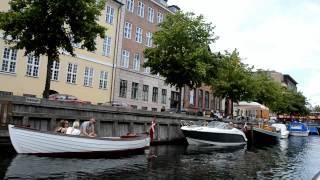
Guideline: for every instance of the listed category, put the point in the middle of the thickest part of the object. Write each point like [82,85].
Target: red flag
[151,130]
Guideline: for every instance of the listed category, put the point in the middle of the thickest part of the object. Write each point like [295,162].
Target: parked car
[67,98]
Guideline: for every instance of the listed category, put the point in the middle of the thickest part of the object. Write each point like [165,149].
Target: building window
[134,106]
[164,96]
[134,90]
[140,10]
[146,69]
[106,49]
[150,14]
[130,5]
[139,35]
[136,62]
[154,109]
[149,39]
[103,80]
[109,15]
[88,77]
[206,100]
[160,17]
[33,65]
[191,97]
[123,88]
[72,73]
[145,92]
[55,70]
[125,59]
[200,97]
[127,30]
[155,94]
[144,108]
[9,60]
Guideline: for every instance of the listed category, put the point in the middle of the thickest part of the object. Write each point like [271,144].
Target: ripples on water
[296,158]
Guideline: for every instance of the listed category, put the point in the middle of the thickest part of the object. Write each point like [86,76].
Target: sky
[280,35]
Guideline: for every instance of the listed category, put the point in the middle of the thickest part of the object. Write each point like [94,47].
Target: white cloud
[274,35]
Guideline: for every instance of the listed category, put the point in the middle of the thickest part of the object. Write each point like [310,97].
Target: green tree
[233,80]
[316,108]
[44,27]
[181,53]
[268,91]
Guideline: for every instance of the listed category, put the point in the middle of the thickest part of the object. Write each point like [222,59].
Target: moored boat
[265,135]
[215,133]
[29,141]
[298,129]
[282,128]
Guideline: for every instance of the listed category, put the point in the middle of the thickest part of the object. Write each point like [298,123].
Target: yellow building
[87,76]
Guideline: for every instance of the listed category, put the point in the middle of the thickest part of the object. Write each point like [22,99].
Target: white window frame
[106,47]
[130,5]
[55,70]
[33,65]
[125,57]
[146,69]
[88,77]
[139,32]
[150,14]
[9,60]
[109,15]
[160,17]
[72,73]
[149,39]
[136,62]
[103,83]
[127,30]
[140,9]
[191,97]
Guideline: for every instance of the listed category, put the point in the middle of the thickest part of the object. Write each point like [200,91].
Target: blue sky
[280,35]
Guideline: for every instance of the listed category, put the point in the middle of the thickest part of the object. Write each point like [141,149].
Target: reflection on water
[295,158]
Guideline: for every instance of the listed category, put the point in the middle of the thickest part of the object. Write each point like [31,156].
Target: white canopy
[251,105]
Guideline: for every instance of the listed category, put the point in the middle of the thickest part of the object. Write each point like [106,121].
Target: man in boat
[87,128]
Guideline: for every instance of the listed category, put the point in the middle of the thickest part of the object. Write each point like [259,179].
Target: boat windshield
[220,125]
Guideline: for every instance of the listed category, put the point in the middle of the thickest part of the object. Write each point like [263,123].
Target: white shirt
[73,131]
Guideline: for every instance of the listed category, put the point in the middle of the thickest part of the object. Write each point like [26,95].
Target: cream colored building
[88,76]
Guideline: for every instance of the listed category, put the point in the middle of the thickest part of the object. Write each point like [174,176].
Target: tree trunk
[48,77]
[179,103]
[231,102]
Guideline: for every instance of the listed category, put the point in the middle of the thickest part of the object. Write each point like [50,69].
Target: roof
[287,76]
[252,105]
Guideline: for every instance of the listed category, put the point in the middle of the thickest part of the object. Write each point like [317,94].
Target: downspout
[115,56]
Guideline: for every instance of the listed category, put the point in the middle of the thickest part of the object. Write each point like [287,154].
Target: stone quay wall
[45,114]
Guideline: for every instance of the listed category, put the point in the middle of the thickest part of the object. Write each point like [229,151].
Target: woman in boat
[60,126]
[74,130]
[65,127]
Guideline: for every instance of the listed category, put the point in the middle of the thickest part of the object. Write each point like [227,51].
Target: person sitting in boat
[87,128]
[65,127]
[74,130]
[60,126]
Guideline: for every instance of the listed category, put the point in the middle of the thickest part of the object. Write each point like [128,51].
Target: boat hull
[195,137]
[26,141]
[299,133]
[261,136]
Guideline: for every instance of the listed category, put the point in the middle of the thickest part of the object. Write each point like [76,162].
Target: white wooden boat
[28,141]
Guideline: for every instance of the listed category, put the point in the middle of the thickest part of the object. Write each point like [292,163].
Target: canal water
[295,158]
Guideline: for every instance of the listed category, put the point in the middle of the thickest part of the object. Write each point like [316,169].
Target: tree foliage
[233,79]
[45,27]
[278,98]
[316,108]
[181,51]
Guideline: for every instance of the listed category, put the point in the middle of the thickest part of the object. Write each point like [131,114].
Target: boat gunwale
[119,138]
